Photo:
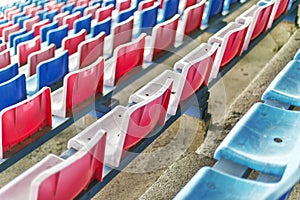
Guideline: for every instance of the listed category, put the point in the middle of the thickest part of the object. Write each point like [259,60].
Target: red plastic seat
[3,26]
[12,14]
[26,48]
[79,87]
[29,24]
[8,10]
[90,50]
[39,56]
[82,3]
[122,33]
[34,10]
[92,10]
[50,5]
[4,58]
[146,4]
[70,19]
[123,5]
[28,8]
[37,27]
[104,13]
[3,47]
[282,8]
[7,31]
[60,17]
[21,120]
[72,42]
[194,17]
[59,6]
[190,3]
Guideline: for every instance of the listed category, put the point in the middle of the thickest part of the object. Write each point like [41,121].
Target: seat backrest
[83,85]
[34,10]
[46,28]
[56,36]
[37,27]
[12,36]
[4,58]
[103,26]
[282,8]
[15,123]
[83,23]
[68,178]
[7,31]
[125,14]
[50,15]
[68,7]
[216,7]
[189,3]
[145,4]
[53,70]
[12,91]
[39,56]
[21,20]
[41,13]
[104,13]
[110,2]
[146,115]
[8,10]
[18,16]
[92,10]
[164,35]
[28,8]
[72,42]
[149,17]
[22,38]
[123,5]
[3,47]
[193,17]
[60,17]
[122,33]
[80,9]
[128,56]
[3,26]
[70,19]
[90,50]
[12,14]
[26,48]
[8,72]
[50,5]
[28,24]
[170,8]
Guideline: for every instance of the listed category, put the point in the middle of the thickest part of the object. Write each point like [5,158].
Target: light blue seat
[103,26]
[21,20]
[41,14]
[285,88]
[12,36]
[18,16]
[227,4]
[12,91]
[83,23]
[48,73]
[125,14]
[80,9]
[45,29]
[212,8]
[56,36]
[3,21]
[170,8]
[68,7]
[50,15]
[262,139]
[9,72]
[22,38]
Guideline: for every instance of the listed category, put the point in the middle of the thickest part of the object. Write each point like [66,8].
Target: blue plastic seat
[56,36]
[80,9]
[22,38]
[83,23]
[50,15]
[104,26]
[226,6]
[48,73]
[285,87]
[69,7]
[125,14]
[18,16]
[149,18]
[212,8]
[41,14]
[12,36]
[12,91]
[41,3]
[108,2]
[9,72]
[45,29]
[22,5]
[96,2]
[170,8]
[262,139]
[21,20]
[3,21]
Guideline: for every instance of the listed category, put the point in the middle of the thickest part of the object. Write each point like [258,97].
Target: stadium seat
[3,26]
[191,20]
[60,17]
[227,4]
[184,4]
[83,23]
[8,10]
[68,7]
[39,56]
[146,20]
[280,7]
[80,9]
[48,73]
[126,57]
[12,14]
[41,13]
[12,91]
[37,27]
[26,48]
[104,13]
[109,2]
[3,47]
[94,2]
[50,5]
[14,35]
[170,8]
[22,20]
[28,24]
[71,43]
[284,88]
[58,178]
[145,4]
[102,26]
[262,139]
[18,16]
[125,14]
[126,126]
[22,38]
[163,36]
[8,72]
[46,28]
[50,15]
[56,36]
[35,10]
[28,8]
[260,15]
[9,30]
[92,10]
[123,5]
[212,8]
[231,39]
[70,19]
[80,88]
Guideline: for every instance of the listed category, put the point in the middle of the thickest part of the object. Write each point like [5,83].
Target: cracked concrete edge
[178,174]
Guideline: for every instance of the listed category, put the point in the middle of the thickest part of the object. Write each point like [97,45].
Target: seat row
[266,139]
